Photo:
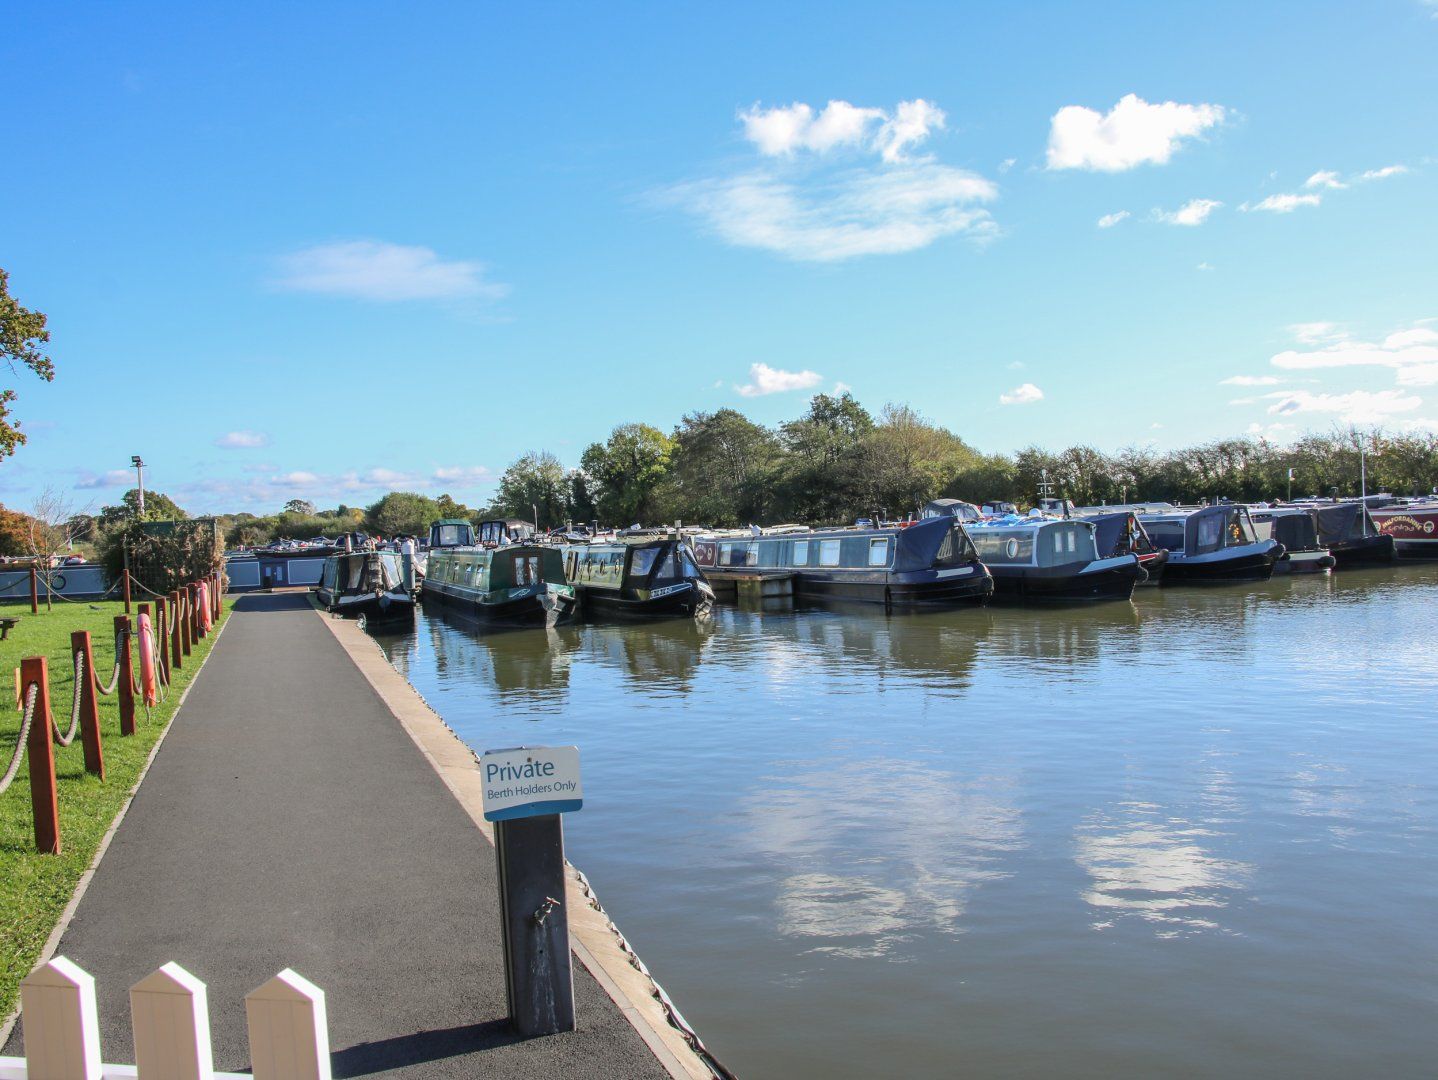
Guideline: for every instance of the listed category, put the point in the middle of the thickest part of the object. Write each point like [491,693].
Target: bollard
[538,979]
[127,677]
[125,577]
[162,637]
[176,661]
[186,620]
[197,630]
[34,669]
[34,590]
[89,706]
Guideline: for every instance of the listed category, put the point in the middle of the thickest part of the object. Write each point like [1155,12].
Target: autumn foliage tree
[22,333]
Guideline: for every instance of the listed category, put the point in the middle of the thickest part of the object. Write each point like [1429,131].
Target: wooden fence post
[219,594]
[171,1016]
[34,590]
[125,575]
[187,620]
[35,669]
[289,1031]
[127,676]
[176,660]
[89,705]
[61,1024]
[162,637]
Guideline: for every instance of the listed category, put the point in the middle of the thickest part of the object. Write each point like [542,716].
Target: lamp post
[139,467]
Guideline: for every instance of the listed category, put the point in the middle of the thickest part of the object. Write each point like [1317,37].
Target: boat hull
[1377,550]
[954,587]
[1154,563]
[1304,562]
[387,607]
[536,609]
[1414,531]
[1061,585]
[1251,562]
[684,601]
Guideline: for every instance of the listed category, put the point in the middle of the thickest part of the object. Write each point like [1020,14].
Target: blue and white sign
[528,781]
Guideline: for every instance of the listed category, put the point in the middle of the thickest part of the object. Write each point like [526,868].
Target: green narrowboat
[513,584]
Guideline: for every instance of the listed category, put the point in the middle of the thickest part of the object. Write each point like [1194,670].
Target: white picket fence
[289,1032]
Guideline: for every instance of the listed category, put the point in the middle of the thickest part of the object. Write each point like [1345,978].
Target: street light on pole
[139,467]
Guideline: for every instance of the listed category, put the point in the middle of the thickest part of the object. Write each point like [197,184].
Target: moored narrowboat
[376,584]
[1211,544]
[1351,535]
[927,563]
[1413,527]
[638,577]
[502,584]
[1296,528]
[1122,533]
[1039,559]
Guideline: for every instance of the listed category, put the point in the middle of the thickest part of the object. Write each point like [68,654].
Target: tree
[535,483]
[52,529]
[823,473]
[300,506]
[158,507]
[626,471]
[906,460]
[402,513]
[14,532]
[722,469]
[22,333]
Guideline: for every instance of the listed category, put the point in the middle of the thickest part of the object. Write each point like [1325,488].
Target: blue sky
[322,251]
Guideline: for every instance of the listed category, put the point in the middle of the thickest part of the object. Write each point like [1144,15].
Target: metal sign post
[525,791]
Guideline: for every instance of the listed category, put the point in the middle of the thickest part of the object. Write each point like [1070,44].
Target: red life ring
[206,615]
[147,660]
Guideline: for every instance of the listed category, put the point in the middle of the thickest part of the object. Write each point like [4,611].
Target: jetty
[306,810]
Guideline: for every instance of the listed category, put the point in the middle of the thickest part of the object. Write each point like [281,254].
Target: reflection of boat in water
[940,647]
[525,661]
[375,584]
[659,654]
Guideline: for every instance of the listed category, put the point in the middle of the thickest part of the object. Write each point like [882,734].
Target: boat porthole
[1011,548]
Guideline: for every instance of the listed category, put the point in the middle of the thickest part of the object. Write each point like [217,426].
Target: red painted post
[127,676]
[176,660]
[34,590]
[126,577]
[162,637]
[197,628]
[89,706]
[187,620]
[33,669]
[219,594]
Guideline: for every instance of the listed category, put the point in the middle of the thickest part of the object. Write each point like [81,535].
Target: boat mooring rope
[32,692]
[69,737]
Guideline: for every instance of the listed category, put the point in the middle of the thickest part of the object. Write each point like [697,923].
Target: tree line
[838,461]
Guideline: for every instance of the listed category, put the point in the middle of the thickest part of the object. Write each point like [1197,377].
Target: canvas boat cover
[1344,521]
[1296,532]
[917,547]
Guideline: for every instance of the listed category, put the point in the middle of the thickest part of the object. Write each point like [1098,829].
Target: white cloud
[785,129]
[1412,353]
[1026,394]
[766,380]
[1244,401]
[1317,333]
[243,440]
[463,474]
[1132,133]
[1017,365]
[1249,380]
[1324,178]
[89,481]
[858,212]
[1193,212]
[375,270]
[1384,173]
[841,388]
[299,478]
[1007,164]
[1108,221]
[1357,407]
[1204,266]
[1283,204]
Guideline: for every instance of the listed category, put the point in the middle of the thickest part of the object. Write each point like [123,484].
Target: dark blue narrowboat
[1038,559]
[926,563]
[638,577]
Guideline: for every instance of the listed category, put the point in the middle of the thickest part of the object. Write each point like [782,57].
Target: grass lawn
[34,888]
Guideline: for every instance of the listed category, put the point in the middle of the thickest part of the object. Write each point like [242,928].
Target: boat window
[526,570]
[828,553]
[1058,541]
[1070,544]
[879,552]
[1210,534]
[643,561]
[1240,529]
[800,554]
[669,567]
[691,568]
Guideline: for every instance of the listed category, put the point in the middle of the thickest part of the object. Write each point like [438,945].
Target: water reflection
[873,852]
[1144,863]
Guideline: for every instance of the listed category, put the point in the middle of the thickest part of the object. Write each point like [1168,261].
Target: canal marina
[979,834]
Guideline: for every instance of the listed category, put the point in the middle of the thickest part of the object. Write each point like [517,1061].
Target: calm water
[1196,835]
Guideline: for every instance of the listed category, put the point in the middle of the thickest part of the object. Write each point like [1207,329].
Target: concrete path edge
[53,941]
[594,938]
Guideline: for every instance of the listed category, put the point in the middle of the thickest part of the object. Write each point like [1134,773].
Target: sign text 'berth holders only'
[528,781]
